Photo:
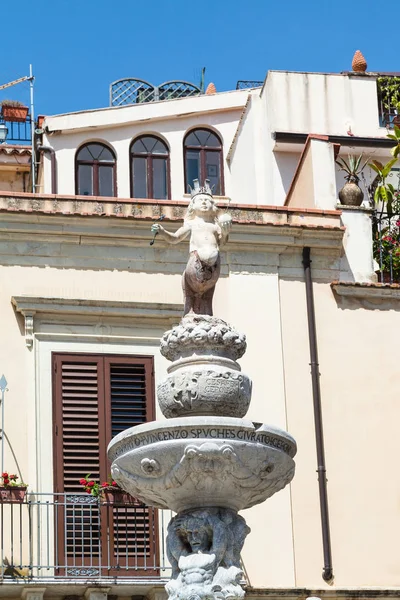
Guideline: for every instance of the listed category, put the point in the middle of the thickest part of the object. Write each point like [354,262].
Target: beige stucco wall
[359,386]
[325,103]
[13,180]
[357,362]
[49,267]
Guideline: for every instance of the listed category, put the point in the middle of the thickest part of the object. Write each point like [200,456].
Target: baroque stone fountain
[206,462]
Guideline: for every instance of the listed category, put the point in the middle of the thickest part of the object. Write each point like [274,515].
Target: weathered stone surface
[203,547]
[187,463]
[202,335]
[204,389]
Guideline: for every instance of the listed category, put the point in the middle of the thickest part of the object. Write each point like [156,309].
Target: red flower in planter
[90,486]
[10,480]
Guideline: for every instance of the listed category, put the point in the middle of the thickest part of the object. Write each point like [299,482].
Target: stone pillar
[97,593]
[33,593]
[357,263]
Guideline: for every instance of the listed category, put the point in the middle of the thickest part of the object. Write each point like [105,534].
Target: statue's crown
[200,189]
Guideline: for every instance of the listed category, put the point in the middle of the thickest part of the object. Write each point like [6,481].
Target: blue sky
[78,48]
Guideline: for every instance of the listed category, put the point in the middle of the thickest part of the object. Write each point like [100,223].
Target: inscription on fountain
[221,433]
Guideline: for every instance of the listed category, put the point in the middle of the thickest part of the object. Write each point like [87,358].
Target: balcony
[18,132]
[386,246]
[55,537]
[389,100]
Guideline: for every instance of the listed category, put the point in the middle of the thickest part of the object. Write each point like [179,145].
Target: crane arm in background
[11,83]
[31,79]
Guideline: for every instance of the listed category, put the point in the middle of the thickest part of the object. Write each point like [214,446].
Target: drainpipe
[327,573]
[50,150]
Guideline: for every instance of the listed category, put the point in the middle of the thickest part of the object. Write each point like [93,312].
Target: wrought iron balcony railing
[19,132]
[73,536]
[386,245]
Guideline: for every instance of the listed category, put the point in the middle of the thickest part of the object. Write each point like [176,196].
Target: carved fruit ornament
[359,64]
[211,89]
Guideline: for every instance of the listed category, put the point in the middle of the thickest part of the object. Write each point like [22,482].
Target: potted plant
[109,491]
[389,94]
[11,491]
[386,243]
[351,194]
[12,110]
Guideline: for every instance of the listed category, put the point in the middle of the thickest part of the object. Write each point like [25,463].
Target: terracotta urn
[351,194]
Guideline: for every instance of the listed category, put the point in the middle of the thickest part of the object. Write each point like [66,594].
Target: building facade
[85,299]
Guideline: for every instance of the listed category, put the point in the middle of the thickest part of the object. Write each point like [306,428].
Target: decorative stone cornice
[173,210]
[162,314]
[49,220]
[373,296]
[299,592]
[36,593]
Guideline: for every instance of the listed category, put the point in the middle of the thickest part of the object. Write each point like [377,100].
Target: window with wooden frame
[204,160]
[150,168]
[95,398]
[95,171]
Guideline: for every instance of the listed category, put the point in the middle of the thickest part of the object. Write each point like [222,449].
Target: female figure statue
[207,234]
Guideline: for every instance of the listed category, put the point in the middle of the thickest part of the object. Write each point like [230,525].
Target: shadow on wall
[286,163]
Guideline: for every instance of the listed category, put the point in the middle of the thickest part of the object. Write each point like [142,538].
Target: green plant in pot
[389,94]
[351,194]
[384,191]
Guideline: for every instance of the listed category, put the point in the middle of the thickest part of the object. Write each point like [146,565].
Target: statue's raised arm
[208,232]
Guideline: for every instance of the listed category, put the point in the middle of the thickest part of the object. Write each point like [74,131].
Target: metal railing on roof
[136,91]
[18,132]
[247,84]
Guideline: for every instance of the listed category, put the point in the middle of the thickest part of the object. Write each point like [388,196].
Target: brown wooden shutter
[130,383]
[96,397]
[79,418]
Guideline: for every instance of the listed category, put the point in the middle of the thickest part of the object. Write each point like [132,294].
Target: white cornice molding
[368,295]
[247,234]
[159,314]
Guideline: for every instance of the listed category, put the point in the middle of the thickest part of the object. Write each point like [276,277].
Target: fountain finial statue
[208,232]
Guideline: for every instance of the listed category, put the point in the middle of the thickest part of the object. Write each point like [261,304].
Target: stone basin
[192,462]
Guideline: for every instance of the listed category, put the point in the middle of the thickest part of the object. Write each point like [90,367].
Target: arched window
[149,168]
[203,159]
[95,170]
